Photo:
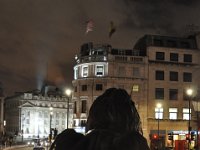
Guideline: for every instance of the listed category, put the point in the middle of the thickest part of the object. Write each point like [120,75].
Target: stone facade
[158,70]
[28,113]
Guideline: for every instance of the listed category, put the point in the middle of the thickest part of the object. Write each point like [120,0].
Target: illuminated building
[100,67]
[159,69]
[28,113]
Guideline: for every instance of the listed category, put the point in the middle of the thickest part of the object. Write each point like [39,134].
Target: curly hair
[115,111]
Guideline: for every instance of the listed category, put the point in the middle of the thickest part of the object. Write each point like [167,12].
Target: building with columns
[34,113]
[156,72]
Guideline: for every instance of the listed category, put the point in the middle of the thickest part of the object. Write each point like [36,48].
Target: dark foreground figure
[113,124]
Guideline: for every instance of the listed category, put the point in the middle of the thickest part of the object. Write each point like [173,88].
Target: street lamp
[50,131]
[189,93]
[68,92]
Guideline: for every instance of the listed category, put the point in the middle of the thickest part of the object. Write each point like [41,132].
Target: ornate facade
[29,113]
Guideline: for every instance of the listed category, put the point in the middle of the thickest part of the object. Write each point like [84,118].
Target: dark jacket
[101,140]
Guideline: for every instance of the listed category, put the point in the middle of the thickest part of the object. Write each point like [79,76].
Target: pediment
[28,104]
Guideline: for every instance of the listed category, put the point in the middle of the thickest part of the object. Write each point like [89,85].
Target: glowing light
[51,108]
[189,92]
[159,105]
[68,92]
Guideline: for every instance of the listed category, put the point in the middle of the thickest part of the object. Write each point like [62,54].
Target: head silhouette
[115,111]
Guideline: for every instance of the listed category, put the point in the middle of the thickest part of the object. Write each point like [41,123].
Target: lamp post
[50,131]
[68,92]
[189,93]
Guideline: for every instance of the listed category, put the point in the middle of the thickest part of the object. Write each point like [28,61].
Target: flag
[89,26]
[112,29]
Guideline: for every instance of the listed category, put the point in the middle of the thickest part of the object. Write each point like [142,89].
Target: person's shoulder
[67,139]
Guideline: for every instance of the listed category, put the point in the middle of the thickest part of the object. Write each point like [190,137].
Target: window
[99,70]
[160,56]
[84,87]
[159,93]
[135,88]
[173,113]
[173,57]
[173,94]
[159,75]
[136,72]
[186,113]
[187,77]
[173,76]
[85,71]
[187,58]
[84,106]
[99,87]
[159,113]
[76,73]
[83,123]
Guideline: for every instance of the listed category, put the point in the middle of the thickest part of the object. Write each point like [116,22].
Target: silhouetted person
[113,124]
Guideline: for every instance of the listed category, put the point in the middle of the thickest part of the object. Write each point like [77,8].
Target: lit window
[135,88]
[99,70]
[159,113]
[76,73]
[173,113]
[186,113]
[85,71]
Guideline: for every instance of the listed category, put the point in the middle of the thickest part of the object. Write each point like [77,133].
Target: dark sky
[39,38]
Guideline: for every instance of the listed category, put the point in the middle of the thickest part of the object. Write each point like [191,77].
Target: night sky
[39,38]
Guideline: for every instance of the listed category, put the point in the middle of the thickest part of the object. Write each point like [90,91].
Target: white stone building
[29,114]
